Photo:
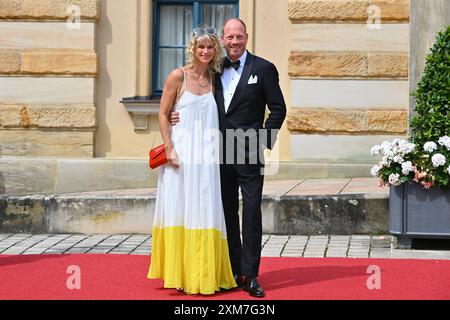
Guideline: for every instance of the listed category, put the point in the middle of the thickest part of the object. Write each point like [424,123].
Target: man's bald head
[234,21]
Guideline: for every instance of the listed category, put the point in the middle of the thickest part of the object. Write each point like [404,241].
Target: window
[173,23]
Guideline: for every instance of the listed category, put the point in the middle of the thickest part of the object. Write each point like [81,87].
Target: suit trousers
[245,255]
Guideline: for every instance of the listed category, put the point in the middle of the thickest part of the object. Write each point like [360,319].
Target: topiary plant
[432,112]
[431,121]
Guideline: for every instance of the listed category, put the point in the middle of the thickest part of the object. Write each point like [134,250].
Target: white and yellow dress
[189,245]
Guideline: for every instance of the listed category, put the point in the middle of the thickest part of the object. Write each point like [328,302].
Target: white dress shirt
[230,79]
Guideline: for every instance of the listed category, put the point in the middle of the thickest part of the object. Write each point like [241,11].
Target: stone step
[290,207]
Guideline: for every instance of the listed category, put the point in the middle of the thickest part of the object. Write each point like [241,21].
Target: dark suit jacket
[248,105]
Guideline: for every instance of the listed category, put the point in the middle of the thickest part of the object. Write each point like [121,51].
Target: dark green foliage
[432,110]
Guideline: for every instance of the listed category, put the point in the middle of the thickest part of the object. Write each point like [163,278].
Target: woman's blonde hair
[215,63]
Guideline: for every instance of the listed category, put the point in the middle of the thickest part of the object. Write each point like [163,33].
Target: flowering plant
[404,161]
[425,156]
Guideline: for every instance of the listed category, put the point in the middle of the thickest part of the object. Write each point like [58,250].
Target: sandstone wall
[349,77]
[48,66]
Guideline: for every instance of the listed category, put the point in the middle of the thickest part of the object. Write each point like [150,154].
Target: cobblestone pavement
[344,246]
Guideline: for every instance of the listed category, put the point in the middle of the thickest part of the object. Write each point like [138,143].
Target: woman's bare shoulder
[175,78]
[176,75]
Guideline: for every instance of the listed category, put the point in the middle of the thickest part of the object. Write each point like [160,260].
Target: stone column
[427,18]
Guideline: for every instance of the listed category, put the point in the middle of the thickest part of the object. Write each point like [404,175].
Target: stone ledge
[49,62]
[305,215]
[23,214]
[347,121]
[346,10]
[342,64]
[48,116]
[343,214]
[48,9]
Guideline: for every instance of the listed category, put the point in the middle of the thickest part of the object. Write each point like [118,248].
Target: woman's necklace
[197,80]
[202,85]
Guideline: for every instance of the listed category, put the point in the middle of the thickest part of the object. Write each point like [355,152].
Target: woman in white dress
[190,249]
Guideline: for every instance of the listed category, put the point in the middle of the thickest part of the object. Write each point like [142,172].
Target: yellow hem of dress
[196,260]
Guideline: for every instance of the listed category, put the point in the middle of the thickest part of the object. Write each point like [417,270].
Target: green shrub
[432,111]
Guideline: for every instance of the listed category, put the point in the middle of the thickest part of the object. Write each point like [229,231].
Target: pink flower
[427,185]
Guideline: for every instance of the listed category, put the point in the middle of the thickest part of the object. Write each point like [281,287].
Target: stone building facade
[77,111]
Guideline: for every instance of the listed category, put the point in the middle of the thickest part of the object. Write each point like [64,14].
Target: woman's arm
[174,80]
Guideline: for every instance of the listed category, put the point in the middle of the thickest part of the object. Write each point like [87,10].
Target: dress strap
[184,78]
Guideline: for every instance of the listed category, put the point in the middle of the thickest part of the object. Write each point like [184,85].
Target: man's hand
[174,118]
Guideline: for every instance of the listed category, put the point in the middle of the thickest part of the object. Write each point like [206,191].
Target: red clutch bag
[157,156]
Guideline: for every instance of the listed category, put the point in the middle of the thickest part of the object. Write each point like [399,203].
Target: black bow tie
[228,63]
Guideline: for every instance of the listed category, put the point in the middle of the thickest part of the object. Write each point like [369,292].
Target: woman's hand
[172,157]
[174,118]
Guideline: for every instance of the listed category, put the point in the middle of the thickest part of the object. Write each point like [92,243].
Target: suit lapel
[219,94]
[242,85]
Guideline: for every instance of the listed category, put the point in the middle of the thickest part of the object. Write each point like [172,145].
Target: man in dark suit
[247,84]
[245,87]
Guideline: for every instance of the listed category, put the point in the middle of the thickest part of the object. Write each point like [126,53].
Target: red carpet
[123,277]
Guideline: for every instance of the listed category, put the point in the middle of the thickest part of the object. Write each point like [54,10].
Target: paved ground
[354,246]
[278,188]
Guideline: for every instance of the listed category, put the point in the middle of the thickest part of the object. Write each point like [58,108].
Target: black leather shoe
[254,289]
